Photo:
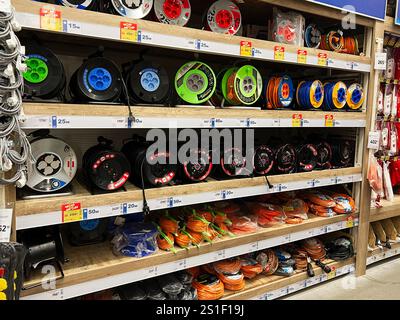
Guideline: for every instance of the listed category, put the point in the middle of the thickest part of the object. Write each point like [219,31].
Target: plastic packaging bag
[387,182]
[375,176]
[296,208]
[288,27]
[268,215]
[131,292]
[135,240]
[170,285]
[153,290]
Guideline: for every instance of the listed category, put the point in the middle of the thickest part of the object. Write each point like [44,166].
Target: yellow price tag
[297,120]
[322,59]
[279,53]
[50,19]
[329,121]
[71,212]
[301,56]
[331,274]
[349,222]
[128,31]
[246,48]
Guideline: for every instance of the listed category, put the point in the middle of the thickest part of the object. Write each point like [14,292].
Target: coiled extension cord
[15,150]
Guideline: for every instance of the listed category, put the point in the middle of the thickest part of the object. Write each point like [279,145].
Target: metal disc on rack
[248,84]
[55,165]
[45,75]
[224,17]
[355,96]
[98,79]
[312,36]
[79,4]
[135,9]
[148,82]
[176,12]
[195,82]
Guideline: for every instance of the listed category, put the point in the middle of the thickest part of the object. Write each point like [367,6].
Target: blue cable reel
[310,94]
[335,96]
[355,96]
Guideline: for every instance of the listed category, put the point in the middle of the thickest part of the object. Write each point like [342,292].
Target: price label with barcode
[5,224]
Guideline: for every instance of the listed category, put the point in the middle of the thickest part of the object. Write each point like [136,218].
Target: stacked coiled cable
[15,150]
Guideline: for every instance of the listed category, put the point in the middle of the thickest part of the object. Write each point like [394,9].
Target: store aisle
[381,282]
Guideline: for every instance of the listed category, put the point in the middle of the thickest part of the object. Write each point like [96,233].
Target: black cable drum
[324,157]
[147,82]
[45,76]
[263,160]
[199,170]
[342,153]
[307,157]
[235,164]
[97,79]
[80,4]
[285,159]
[155,174]
[88,231]
[104,167]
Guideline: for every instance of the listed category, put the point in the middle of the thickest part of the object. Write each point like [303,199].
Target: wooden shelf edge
[108,20]
[252,291]
[388,210]
[97,261]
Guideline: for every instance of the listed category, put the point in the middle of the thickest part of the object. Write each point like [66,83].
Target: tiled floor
[382,281]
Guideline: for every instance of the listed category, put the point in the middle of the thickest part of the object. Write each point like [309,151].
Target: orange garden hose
[233,282]
[250,268]
[169,224]
[165,241]
[319,198]
[196,223]
[183,239]
[344,204]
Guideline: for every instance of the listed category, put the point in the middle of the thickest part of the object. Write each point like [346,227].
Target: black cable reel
[157,172]
[45,75]
[98,79]
[147,82]
[105,168]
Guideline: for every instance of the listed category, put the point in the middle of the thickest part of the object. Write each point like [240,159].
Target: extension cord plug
[13,100]
[11,43]
[21,181]
[7,165]
[15,25]
[22,67]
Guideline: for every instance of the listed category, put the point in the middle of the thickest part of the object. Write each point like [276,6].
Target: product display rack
[388,209]
[97,268]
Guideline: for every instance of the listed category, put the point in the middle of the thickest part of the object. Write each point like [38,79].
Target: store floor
[382,281]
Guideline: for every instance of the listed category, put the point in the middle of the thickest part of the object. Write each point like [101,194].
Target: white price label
[219,255]
[380,60]
[60,122]
[373,140]
[276,123]
[253,247]
[5,224]
[180,265]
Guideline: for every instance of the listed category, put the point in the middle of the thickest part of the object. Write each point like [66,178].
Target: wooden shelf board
[108,20]
[263,284]
[133,193]
[59,109]
[97,261]
[390,26]
[389,209]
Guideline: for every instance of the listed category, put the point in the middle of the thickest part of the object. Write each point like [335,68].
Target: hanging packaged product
[375,178]
[195,82]
[241,85]
[129,9]
[45,74]
[55,163]
[393,139]
[279,92]
[105,168]
[379,107]
[335,96]
[355,96]
[312,36]
[390,65]
[224,16]
[288,28]
[175,12]
[387,101]
[147,82]
[393,112]
[310,94]
[387,183]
